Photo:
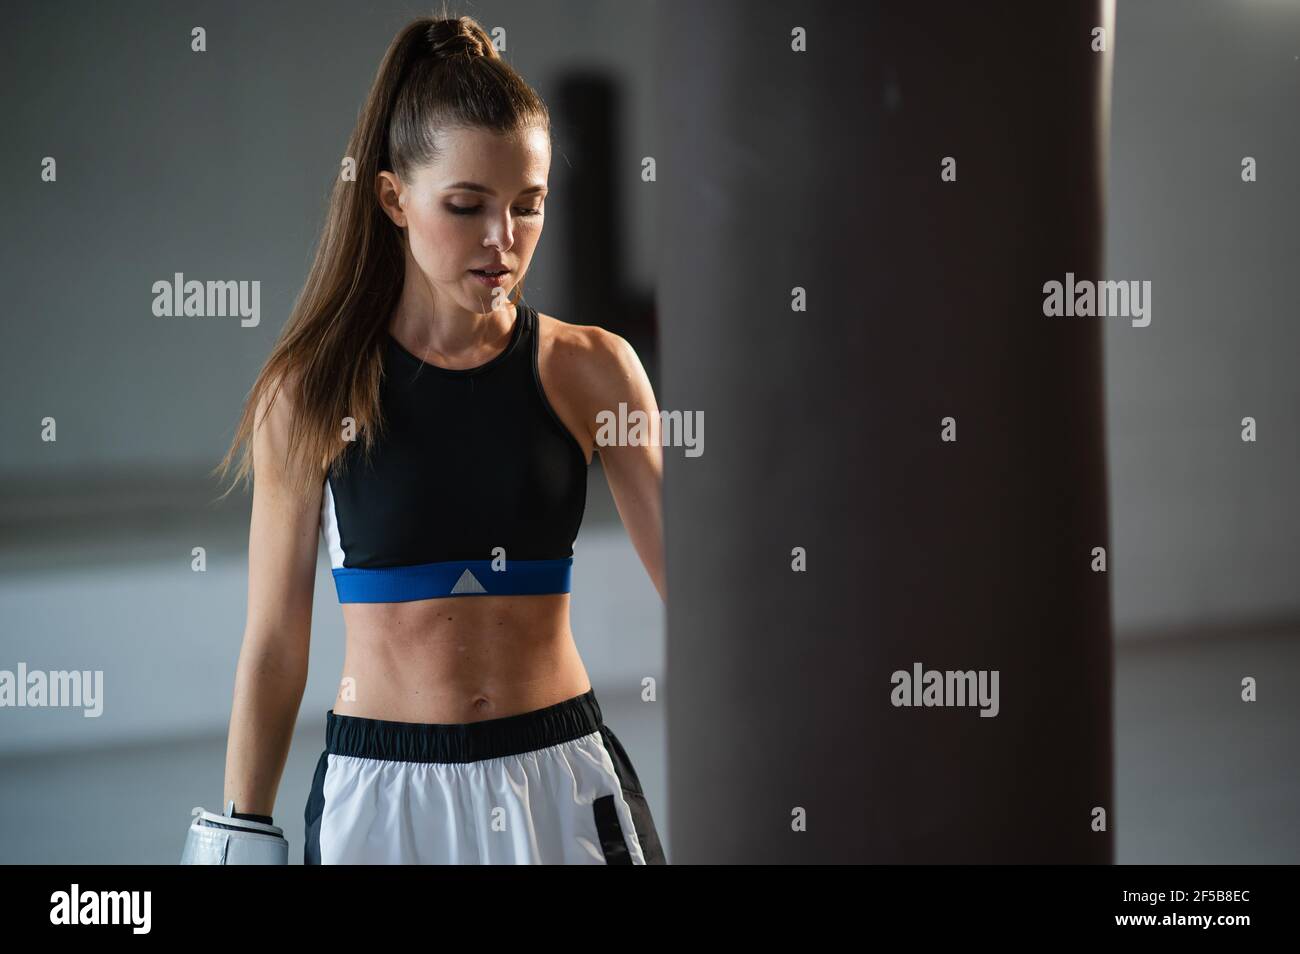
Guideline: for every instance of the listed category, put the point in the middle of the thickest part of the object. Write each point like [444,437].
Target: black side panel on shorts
[636,801]
[315,810]
[612,842]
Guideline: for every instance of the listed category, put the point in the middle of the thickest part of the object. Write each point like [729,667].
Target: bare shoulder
[587,356]
[273,419]
[584,368]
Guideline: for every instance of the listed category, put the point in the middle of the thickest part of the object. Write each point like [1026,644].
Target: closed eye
[458,210]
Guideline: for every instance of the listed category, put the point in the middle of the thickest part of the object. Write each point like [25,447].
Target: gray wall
[1205,528]
[217,165]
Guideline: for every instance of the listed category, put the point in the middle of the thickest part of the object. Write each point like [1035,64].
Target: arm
[272,670]
[634,473]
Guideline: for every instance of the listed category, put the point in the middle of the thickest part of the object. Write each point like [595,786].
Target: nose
[501,233]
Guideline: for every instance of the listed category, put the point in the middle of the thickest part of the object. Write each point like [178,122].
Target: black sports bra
[475,487]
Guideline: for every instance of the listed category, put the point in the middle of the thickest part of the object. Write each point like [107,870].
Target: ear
[389,190]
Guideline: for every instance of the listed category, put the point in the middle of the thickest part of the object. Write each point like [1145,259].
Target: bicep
[282,543]
[634,471]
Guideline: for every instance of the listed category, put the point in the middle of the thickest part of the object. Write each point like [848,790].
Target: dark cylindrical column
[822,170]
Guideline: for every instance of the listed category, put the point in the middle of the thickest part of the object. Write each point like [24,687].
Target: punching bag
[903,474]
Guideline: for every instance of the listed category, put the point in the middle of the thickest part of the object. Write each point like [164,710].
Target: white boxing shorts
[551,786]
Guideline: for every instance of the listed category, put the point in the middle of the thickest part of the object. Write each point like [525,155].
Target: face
[479,206]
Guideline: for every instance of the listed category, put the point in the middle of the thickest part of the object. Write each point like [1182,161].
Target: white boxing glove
[226,840]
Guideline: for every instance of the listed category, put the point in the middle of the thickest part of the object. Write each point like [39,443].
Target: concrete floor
[1201,776]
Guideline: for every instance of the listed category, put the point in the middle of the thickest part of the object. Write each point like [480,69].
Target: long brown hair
[437,73]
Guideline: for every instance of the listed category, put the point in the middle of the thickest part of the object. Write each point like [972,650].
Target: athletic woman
[435,430]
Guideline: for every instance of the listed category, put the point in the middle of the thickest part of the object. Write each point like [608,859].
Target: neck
[425,321]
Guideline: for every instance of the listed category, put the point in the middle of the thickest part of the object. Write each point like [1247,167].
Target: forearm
[269,685]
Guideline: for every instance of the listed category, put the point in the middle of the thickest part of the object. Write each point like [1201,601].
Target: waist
[364,737]
[452,660]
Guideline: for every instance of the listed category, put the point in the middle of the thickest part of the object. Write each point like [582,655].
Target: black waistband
[466,741]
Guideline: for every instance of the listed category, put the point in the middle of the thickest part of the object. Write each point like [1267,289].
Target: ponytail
[437,73]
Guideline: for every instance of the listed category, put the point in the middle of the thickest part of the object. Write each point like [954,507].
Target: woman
[452,426]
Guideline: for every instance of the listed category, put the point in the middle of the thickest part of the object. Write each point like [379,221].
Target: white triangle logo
[467,583]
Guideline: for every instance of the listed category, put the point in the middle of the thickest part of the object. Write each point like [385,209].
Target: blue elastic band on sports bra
[396,584]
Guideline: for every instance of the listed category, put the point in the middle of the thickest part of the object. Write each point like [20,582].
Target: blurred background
[1205,529]
[218,166]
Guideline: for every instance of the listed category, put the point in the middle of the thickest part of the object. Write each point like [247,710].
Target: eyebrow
[476,187]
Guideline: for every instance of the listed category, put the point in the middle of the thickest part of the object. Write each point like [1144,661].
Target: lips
[492,280]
